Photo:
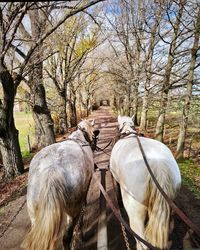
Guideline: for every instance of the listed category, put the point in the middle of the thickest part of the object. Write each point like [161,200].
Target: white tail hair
[50,217]
[157,229]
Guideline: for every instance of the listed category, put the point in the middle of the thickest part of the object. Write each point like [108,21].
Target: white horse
[58,181]
[147,209]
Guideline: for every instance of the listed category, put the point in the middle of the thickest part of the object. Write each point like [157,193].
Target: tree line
[31,33]
[155,47]
[63,57]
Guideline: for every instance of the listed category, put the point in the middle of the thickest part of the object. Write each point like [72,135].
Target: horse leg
[137,215]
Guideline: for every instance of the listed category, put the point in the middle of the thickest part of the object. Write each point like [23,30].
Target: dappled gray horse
[58,182]
[141,198]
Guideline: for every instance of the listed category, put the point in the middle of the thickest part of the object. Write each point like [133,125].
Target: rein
[98,149]
[78,140]
[119,217]
[114,140]
[169,200]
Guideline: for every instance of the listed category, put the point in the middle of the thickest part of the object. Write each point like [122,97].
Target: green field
[25,124]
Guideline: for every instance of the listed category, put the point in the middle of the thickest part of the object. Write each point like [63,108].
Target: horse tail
[50,216]
[157,229]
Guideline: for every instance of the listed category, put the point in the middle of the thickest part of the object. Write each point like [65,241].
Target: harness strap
[85,134]
[102,149]
[78,140]
[98,149]
[170,202]
[124,135]
[120,219]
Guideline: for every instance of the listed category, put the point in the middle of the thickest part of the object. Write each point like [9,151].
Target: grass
[190,173]
[25,124]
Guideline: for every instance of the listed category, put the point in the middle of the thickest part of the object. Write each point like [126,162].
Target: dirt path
[19,227]
[107,124]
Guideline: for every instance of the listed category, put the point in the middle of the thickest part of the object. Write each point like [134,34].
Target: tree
[128,28]
[188,95]
[148,67]
[168,69]
[41,113]
[89,87]
[151,55]
[64,68]
[9,143]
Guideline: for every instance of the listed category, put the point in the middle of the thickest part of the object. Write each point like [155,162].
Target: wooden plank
[98,238]
[102,239]
[100,162]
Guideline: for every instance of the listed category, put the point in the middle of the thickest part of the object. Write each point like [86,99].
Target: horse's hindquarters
[141,198]
[57,186]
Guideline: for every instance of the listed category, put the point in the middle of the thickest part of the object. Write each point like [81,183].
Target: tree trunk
[133,102]
[72,110]
[73,116]
[63,116]
[9,143]
[11,154]
[161,116]
[188,97]
[135,108]
[44,122]
[166,80]
[129,103]
[87,106]
[145,102]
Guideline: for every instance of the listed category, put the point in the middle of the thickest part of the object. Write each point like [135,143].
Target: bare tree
[148,67]
[89,85]
[64,68]
[9,143]
[41,113]
[168,69]
[188,96]
[131,35]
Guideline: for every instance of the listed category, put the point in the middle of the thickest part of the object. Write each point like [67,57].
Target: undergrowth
[190,174]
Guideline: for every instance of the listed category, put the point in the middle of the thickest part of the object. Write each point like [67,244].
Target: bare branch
[49,32]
